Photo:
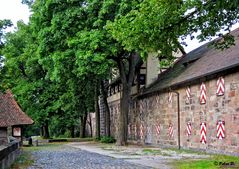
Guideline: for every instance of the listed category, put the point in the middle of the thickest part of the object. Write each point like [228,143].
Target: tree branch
[184,19]
[121,67]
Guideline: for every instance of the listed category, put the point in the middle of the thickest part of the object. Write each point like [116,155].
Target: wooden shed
[12,116]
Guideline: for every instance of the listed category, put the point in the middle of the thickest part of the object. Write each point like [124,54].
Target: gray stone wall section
[8,155]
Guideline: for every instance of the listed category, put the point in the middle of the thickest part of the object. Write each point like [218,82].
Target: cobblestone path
[65,157]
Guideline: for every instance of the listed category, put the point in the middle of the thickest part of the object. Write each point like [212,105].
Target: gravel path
[65,157]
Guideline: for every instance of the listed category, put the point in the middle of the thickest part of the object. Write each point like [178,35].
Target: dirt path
[145,156]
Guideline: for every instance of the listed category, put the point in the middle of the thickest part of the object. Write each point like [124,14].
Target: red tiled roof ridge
[202,62]
[10,112]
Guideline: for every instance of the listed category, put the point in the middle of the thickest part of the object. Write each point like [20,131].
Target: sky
[14,10]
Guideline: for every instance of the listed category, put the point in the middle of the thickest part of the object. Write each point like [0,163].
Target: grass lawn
[23,161]
[214,162]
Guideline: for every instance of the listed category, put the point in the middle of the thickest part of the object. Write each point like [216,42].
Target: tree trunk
[46,130]
[127,77]
[90,124]
[41,131]
[72,131]
[123,116]
[97,114]
[83,119]
[107,111]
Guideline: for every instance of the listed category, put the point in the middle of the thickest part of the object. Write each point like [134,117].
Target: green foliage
[4,24]
[41,68]
[23,161]
[31,130]
[157,25]
[97,139]
[106,139]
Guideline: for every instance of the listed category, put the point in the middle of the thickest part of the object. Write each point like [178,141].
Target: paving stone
[66,157]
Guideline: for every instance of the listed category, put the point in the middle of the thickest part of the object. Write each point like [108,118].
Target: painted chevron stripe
[189,129]
[157,99]
[135,130]
[221,130]
[170,130]
[170,97]
[220,86]
[157,128]
[203,133]
[188,93]
[141,132]
[203,96]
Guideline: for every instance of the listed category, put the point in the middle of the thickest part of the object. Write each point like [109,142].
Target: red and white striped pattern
[141,131]
[188,93]
[135,130]
[170,97]
[170,130]
[157,99]
[203,133]
[189,129]
[220,86]
[203,97]
[221,130]
[157,128]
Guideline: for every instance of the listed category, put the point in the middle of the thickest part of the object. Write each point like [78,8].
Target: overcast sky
[14,10]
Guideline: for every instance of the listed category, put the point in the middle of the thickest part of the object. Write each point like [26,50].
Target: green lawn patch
[155,152]
[23,161]
[186,151]
[214,162]
[151,151]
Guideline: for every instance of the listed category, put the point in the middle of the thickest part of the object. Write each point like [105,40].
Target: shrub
[106,139]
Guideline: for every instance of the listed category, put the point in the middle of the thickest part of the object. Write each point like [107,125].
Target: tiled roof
[201,62]
[10,112]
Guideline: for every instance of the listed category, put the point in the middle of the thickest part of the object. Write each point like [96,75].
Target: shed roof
[201,62]
[10,112]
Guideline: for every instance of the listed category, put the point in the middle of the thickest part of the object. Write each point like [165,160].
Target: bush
[97,139]
[106,139]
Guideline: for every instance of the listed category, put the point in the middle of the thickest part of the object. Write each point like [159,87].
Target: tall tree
[26,77]
[4,24]
[54,22]
[159,25]
[97,51]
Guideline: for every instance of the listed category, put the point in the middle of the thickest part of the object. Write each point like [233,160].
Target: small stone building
[11,116]
[192,105]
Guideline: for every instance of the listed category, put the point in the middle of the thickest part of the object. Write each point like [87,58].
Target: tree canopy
[162,25]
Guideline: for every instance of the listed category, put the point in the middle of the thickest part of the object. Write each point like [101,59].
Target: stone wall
[90,125]
[102,116]
[151,117]
[114,108]
[8,154]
